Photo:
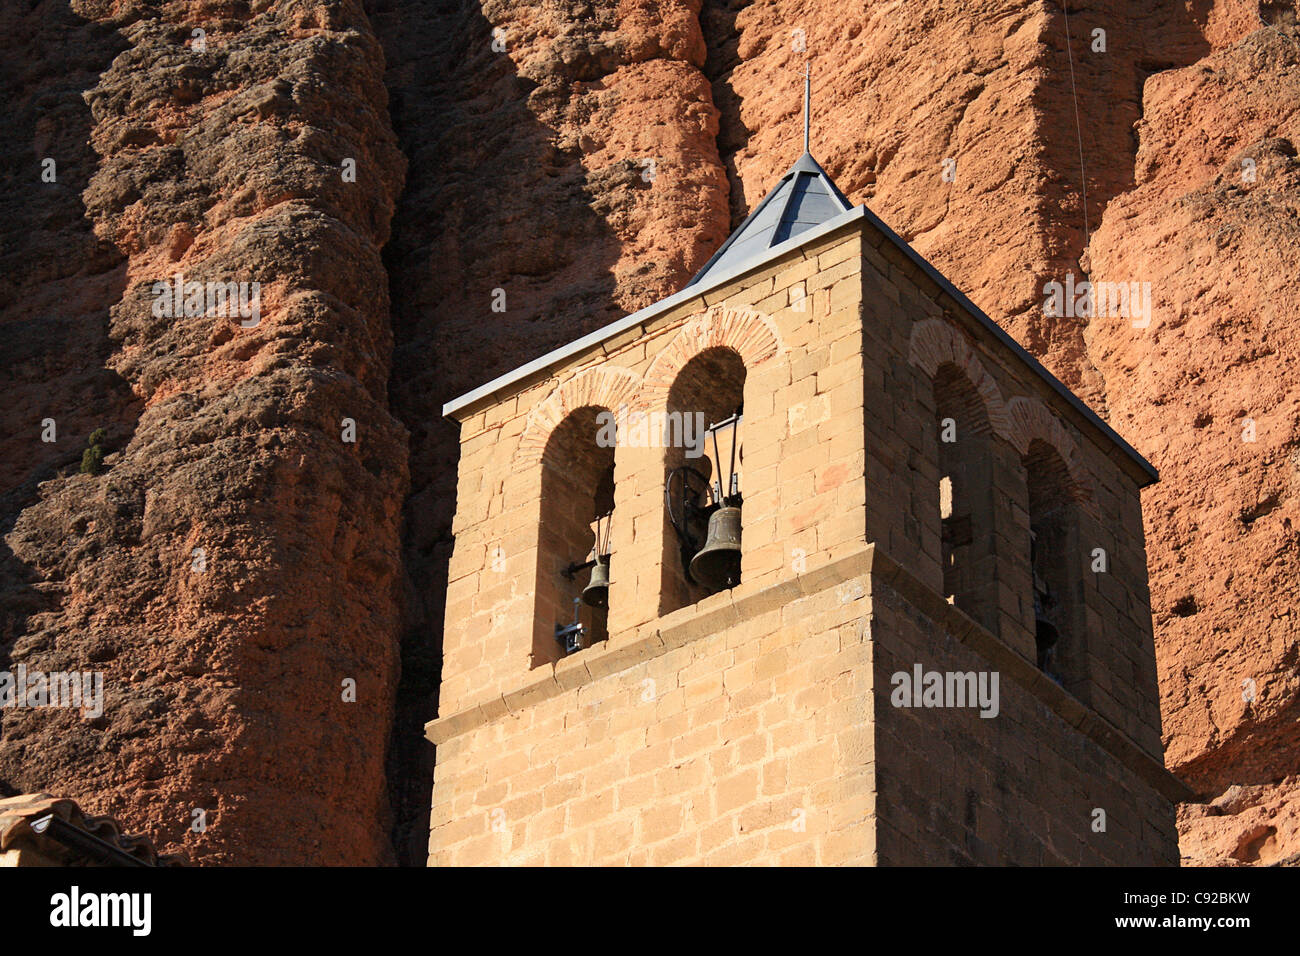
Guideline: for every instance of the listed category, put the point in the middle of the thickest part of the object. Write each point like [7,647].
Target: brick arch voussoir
[934,343]
[749,333]
[1031,420]
[607,387]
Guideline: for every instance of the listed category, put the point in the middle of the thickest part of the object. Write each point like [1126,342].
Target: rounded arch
[1056,546]
[709,388]
[956,397]
[935,343]
[1048,479]
[607,387]
[576,497]
[574,441]
[751,334]
[711,382]
[1031,421]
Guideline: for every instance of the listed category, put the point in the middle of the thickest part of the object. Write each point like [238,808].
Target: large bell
[596,593]
[717,566]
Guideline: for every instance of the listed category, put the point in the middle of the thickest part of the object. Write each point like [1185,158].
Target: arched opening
[703,456]
[1055,564]
[966,504]
[577,505]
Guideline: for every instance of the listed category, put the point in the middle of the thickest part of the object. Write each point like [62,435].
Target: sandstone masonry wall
[734,742]
[955,788]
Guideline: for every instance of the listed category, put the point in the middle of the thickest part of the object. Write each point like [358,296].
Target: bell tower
[808,563]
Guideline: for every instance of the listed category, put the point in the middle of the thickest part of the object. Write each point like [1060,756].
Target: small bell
[717,566]
[596,593]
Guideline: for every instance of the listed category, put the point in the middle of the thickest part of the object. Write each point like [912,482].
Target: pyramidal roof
[805,197]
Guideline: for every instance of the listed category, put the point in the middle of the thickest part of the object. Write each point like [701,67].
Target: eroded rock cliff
[1211,393]
[566,163]
[236,560]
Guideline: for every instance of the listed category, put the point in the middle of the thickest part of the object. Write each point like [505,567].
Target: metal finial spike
[807,101]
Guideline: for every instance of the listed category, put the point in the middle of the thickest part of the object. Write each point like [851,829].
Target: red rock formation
[1211,392]
[569,163]
[1245,826]
[223,686]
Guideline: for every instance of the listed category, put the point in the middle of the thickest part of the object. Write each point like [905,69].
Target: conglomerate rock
[235,563]
[1210,391]
[566,163]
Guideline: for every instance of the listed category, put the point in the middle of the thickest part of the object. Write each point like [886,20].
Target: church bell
[596,593]
[717,566]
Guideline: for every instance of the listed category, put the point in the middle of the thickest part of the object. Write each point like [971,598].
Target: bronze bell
[717,566]
[596,593]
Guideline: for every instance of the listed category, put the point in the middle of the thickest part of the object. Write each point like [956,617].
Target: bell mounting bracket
[684,509]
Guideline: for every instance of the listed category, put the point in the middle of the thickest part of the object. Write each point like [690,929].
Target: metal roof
[804,198]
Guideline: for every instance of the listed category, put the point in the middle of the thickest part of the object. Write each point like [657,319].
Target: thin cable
[1078,127]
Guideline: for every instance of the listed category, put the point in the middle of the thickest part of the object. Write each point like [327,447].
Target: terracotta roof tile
[18,813]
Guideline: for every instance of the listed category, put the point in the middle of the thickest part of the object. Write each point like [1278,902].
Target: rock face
[236,561]
[1245,826]
[563,165]
[1211,392]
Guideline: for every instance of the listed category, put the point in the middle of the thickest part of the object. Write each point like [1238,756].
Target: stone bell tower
[931,643]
